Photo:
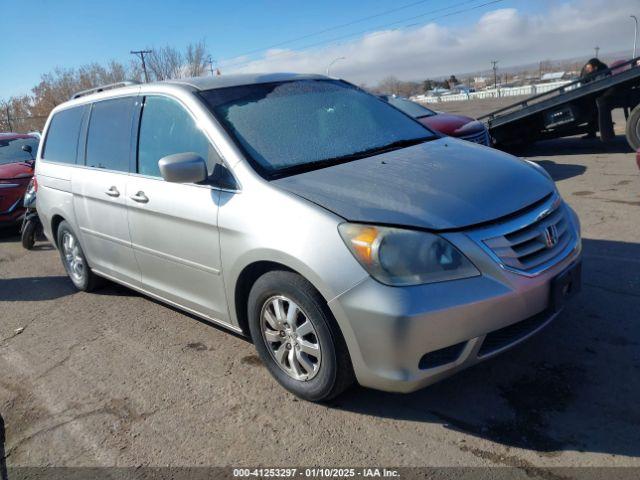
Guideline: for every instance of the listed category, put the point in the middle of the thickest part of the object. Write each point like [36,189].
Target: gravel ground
[116,379]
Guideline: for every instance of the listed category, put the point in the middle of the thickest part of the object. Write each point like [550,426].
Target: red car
[458,126]
[17,154]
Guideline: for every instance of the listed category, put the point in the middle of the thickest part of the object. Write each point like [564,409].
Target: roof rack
[103,88]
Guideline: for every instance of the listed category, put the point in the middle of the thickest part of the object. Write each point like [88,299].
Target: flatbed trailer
[570,109]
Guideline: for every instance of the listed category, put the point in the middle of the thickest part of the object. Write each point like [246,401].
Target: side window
[166,128]
[61,143]
[109,137]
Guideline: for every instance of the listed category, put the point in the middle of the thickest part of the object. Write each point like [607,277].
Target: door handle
[113,192]
[140,197]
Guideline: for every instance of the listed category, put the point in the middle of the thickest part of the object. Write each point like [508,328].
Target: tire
[332,372]
[83,278]
[632,130]
[28,236]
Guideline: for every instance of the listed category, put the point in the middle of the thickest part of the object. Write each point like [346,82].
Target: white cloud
[567,29]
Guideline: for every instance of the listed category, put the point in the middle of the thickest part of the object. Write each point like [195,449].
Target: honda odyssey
[346,239]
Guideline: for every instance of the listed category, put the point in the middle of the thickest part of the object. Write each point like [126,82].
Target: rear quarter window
[61,143]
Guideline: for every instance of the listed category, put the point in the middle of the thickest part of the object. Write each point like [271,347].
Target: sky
[410,39]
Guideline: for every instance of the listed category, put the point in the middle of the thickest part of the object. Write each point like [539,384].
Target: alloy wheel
[291,338]
[73,257]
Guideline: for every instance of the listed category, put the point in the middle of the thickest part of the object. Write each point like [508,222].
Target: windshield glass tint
[11,149]
[296,124]
[412,109]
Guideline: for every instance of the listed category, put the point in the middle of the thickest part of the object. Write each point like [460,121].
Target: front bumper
[13,214]
[404,338]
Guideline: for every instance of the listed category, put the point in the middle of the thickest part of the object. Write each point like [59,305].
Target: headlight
[398,257]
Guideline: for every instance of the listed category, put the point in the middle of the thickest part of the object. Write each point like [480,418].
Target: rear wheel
[297,338]
[74,261]
[633,128]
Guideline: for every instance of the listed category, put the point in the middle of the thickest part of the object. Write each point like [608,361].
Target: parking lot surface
[114,378]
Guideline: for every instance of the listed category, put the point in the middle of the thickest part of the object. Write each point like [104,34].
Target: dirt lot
[114,378]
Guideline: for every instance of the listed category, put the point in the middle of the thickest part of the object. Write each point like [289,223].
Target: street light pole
[635,35]
[332,62]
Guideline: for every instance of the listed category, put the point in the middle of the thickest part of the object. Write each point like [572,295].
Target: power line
[330,29]
[342,37]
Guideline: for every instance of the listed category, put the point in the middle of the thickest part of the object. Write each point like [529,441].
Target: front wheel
[297,338]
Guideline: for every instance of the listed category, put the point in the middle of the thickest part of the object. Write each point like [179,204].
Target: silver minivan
[347,240]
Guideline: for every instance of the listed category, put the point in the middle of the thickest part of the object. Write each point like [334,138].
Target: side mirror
[29,150]
[183,168]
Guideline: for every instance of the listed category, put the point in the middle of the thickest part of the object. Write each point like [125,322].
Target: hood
[16,170]
[447,123]
[437,185]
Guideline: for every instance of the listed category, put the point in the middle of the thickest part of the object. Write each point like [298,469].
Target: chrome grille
[532,241]
[482,138]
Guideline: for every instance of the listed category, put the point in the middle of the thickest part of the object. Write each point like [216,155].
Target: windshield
[412,109]
[289,127]
[11,149]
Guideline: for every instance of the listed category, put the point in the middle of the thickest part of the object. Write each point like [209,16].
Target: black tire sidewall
[631,130]
[84,285]
[293,286]
[28,237]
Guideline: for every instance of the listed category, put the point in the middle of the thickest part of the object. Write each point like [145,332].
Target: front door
[174,227]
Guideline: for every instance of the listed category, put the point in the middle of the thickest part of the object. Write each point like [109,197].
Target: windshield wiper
[329,162]
[396,145]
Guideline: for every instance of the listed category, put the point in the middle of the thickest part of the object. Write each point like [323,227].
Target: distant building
[479,82]
[460,88]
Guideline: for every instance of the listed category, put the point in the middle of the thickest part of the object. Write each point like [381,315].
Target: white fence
[494,93]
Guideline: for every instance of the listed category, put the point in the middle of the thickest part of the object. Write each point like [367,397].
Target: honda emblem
[551,236]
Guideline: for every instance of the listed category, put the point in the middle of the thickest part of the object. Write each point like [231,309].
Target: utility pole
[141,54]
[495,73]
[597,49]
[210,62]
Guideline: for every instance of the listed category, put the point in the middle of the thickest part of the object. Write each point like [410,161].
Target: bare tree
[389,85]
[392,86]
[168,62]
[196,59]
[165,63]
[30,112]
[16,114]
